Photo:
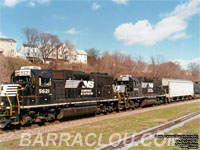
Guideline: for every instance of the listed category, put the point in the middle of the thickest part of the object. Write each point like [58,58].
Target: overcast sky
[168,28]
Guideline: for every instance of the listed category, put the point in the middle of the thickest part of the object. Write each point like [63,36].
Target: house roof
[29,45]
[82,52]
[7,40]
[60,45]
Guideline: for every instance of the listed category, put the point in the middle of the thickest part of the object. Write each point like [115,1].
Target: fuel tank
[76,111]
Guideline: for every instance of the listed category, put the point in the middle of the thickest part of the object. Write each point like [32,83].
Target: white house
[8,47]
[77,56]
[81,56]
[60,53]
[32,53]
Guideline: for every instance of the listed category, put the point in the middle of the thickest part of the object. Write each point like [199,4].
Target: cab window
[135,83]
[44,81]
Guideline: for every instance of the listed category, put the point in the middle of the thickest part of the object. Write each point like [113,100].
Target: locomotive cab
[127,83]
[35,83]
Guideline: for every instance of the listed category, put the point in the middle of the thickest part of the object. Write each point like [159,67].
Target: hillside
[114,65]
[8,65]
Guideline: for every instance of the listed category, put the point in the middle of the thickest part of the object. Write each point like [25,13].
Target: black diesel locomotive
[38,95]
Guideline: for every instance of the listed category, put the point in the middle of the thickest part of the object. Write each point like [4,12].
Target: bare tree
[47,43]
[70,46]
[69,43]
[153,66]
[93,56]
[31,35]
[194,68]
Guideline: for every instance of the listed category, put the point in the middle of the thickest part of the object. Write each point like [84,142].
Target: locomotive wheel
[120,107]
[105,110]
[26,120]
[61,114]
[51,117]
[110,109]
[98,110]
[126,106]
[169,100]
[132,105]
[136,104]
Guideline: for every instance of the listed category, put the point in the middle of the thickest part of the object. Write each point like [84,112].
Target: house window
[12,52]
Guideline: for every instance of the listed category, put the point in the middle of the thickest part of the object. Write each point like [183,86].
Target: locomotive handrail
[119,100]
[126,96]
[18,103]
[10,104]
[165,92]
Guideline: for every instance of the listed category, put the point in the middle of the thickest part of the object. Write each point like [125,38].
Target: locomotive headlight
[2,103]
[1,88]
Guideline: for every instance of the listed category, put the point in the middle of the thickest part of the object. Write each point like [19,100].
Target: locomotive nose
[9,103]
[8,89]
[9,94]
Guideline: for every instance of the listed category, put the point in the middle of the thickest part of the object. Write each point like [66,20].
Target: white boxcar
[179,88]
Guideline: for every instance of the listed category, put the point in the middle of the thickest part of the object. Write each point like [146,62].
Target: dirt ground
[4,70]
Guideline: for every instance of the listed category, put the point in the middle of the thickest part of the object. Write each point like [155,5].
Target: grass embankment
[189,128]
[129,124]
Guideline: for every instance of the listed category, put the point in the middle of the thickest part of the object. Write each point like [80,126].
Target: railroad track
[125,143]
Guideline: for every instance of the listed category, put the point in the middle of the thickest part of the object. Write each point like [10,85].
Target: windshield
[21,79]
